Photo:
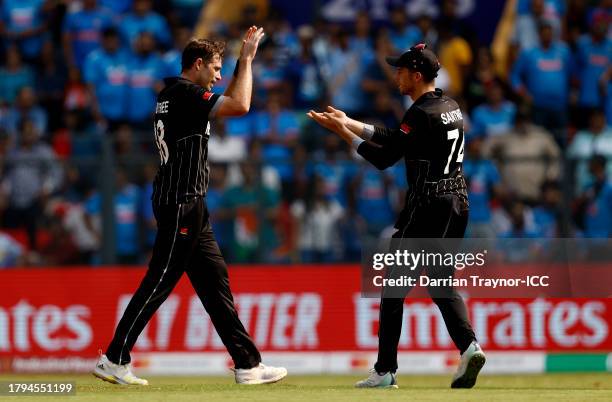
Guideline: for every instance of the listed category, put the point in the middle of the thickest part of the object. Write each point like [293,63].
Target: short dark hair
[203,48]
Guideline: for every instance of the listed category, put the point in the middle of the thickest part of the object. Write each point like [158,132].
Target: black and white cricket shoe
[470,365]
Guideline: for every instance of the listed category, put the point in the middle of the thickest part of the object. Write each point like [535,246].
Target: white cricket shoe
[376,380]
[471,362]
[260,374]
[116,373]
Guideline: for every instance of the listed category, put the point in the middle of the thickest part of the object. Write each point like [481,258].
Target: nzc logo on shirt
[207,95]
[405,128]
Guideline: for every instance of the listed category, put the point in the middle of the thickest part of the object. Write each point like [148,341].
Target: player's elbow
[241,108]
[244,108]
[234,108]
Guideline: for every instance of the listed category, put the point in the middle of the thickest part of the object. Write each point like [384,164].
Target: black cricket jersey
[430,138]
[182,129]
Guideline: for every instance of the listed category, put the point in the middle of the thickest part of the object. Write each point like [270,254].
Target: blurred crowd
[78,81]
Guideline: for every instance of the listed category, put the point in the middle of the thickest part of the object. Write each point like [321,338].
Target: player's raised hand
[250,42]
[338,115]
[322,120]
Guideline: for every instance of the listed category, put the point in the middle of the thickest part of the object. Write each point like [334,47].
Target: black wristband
[236,68]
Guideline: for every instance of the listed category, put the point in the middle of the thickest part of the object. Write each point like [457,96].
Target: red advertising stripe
[73,312]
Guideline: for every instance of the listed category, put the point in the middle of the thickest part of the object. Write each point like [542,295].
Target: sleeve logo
[405,128]
[207,95]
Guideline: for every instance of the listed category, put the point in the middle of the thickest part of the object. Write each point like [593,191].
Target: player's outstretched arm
[380,156]
[376,134]
[357,127]
[240,88]
[336,123]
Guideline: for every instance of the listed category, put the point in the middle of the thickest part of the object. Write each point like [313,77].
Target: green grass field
[549,387]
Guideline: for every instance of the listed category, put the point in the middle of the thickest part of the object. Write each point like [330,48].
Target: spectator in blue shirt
[278,129]
[593,56]
[556,8]
[594,208]
[379,79]
[222,225]
[526,24]
[335,173]
[24,24]
[145,72]
[268,75]
[143,18]
[26,108]
[542,76]
[172,58]
[282,35]
[305,73]
[372,190]
[347,67]
[106,74]
[116,7]
[547,213]
[82,32]
[361,39]
[427,29]
[515,243]
[494,117]
[14,75]
[483,181]
[126,203]
[402,34]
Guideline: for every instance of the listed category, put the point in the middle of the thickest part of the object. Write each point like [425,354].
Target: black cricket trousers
[445,216]
[185,243]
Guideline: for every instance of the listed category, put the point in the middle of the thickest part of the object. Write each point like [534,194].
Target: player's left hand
[333,119]
[322,119]
[336,115]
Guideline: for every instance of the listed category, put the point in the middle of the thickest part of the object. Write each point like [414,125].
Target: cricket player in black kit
[185,241]
[430,139]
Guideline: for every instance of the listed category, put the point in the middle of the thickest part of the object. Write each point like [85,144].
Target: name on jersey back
[162,107]
[451,117]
